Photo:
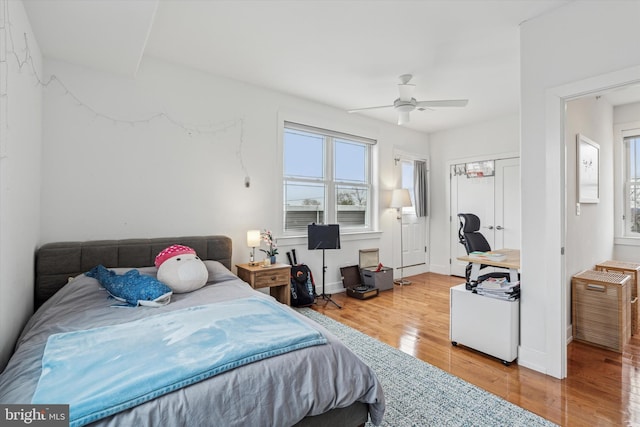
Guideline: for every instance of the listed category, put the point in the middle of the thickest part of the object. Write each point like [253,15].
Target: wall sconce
[253,240]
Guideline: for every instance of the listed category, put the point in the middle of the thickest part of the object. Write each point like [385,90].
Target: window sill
[296,240]
[627,241]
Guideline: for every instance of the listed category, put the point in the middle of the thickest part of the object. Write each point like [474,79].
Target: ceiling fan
[406,103]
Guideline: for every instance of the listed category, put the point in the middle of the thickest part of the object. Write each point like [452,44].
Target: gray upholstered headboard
[56,262]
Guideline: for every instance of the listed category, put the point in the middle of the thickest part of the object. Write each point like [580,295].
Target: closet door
[469,195]
[507,204]
[494,199]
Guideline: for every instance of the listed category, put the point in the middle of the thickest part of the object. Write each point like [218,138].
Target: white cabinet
[486,324]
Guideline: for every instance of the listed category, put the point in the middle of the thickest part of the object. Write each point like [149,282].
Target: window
[407,182]
[631,190]
[327,178]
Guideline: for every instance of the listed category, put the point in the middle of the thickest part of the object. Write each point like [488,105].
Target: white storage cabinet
[486,324]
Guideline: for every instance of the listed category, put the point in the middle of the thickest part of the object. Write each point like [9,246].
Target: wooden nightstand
[276,277]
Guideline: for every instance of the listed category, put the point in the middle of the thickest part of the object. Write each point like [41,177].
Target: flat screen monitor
[323,236]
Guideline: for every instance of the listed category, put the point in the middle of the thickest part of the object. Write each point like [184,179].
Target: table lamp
[400,198]
[253,240]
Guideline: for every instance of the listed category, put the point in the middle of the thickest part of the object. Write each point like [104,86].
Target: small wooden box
[632,269]
[601,305]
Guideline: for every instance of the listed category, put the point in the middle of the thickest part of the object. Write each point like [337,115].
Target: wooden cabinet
[601,308]
[276,277]
[631,269]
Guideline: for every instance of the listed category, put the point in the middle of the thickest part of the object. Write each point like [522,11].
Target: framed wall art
[588,168]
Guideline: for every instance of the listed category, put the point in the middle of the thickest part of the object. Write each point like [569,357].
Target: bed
[318,385]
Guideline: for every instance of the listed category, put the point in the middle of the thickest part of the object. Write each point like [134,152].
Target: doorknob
[499,227]
[490,227]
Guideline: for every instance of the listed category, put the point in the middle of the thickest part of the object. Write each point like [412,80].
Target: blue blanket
[102,371]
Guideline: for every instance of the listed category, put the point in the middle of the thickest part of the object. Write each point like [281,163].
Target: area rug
[419,394]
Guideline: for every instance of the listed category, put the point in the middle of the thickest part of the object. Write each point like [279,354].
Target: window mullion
[331,217]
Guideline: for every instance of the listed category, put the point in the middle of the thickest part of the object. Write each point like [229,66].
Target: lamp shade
[400,198]
[253,238]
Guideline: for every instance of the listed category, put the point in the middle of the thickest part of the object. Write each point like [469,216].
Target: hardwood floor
[602,387]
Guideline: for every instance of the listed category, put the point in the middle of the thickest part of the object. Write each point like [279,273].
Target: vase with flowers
[272,250]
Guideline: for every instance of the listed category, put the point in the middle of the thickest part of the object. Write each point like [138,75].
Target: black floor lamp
[324,236]
[400,198]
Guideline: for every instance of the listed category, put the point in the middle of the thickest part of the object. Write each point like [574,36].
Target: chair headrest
[471,222]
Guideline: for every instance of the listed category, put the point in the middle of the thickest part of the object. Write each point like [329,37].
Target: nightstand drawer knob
[273,278]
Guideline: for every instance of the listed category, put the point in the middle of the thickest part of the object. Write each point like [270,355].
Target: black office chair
[473,241]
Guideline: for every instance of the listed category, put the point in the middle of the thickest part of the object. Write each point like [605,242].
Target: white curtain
[420,187]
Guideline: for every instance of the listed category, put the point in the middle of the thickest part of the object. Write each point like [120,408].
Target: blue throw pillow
[132,287]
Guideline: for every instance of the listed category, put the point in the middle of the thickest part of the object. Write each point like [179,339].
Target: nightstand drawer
[269,278]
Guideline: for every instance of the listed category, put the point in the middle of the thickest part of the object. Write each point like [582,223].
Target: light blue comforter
[102,375]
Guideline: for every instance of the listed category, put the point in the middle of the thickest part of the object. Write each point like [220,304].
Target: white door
[507,205]
[414,228]
[494,199]
[469,195]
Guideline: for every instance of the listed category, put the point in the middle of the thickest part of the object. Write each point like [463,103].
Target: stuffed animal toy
[132,287]
[180,268]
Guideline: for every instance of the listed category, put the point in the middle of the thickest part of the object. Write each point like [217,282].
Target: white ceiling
[343,53]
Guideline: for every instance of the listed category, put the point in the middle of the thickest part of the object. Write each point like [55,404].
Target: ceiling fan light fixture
[405,106]
[406,92]
[403,117]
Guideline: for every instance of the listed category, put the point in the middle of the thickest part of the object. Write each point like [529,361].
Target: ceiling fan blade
[403,118]
[355,110]
[442,103]
[406,91]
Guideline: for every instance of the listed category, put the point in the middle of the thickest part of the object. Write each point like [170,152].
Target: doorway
[556,202]
[415,231]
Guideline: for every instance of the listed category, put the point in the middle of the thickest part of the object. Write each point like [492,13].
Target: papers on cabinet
[499,288]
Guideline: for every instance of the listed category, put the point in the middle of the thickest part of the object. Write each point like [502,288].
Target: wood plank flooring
[602,387]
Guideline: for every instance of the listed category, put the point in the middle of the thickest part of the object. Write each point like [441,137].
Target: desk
[512,262]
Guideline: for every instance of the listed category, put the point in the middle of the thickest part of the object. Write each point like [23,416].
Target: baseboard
[532,359]
[330,288]
[439,269]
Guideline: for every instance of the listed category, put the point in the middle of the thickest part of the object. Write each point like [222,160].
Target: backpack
[303,288]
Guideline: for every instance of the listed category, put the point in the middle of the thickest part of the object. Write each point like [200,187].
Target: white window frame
[623,234]
[329,182]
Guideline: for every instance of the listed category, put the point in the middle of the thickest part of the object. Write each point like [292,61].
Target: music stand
[324,236]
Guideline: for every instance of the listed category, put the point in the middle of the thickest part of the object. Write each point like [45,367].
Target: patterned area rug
[419,394]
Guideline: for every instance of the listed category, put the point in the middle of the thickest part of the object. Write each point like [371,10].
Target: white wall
[580,41]
[494,137]
[20,151]
[628,113]
[589,235]
[105,179]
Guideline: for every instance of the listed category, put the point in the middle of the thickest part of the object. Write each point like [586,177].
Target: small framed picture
[588,169]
